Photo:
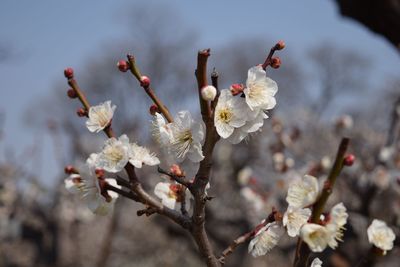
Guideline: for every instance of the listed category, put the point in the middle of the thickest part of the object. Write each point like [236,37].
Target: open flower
[171,194]
[337,220]
[316,263]
[260,90]
[115,154]
[74,184]
[100,116]
[187,136]
[255,121]
[316,236]
[99,200]
[139,155]
[230,113]
[304,192]
[266,239]
[380,235]
[92,189]
[160,130]
[294,219]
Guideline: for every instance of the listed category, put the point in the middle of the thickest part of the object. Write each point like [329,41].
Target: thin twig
[302,251]
[179,179]
[136,72]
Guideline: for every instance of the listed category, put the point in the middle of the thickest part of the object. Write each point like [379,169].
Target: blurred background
[339,77]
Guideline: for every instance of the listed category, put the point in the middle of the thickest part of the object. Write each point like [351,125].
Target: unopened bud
[349,160]
[176,170]
[280,45]
[153,109]
[69,169]
[69,73]
[81,112]
[275,62]
[145,81]
[208,93]
[71,93]
[99,173]
[123,65]
[236,88]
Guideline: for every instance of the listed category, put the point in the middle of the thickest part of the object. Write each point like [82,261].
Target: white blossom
[230,113]
[266,239]
[171,194]
[208,93]
[304,192]
[139,155]
[316,236]
[74,184]
[253,124]
[260,90]
[187,138]
[100,201]
[294,219]
[316,263]
[380,235]
[160,130]
[337,221]
[115,154]
[100,116]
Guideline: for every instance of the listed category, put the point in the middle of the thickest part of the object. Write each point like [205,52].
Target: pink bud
[69,169]
[153,109]
[81,112]
[69,73]
[176,170]
[237,88]
[349,160]
[275,62]
[123,65]
[280,45]
[71,93]
[145,81]
[99,173]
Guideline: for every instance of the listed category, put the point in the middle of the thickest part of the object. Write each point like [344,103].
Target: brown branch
[201,76]
[273,216]
[179,179]
[268,60]
[203,174]
[137,192]
[302,251]
[136,72]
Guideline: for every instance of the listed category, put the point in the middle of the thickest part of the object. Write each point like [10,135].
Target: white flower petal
[380,235]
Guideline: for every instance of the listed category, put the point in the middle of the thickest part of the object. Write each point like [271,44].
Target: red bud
[349,160]
[81,112]
[275,62]
[145,81]
[153,109]
[69,73]
[123,65]
[280,45]
[71,93]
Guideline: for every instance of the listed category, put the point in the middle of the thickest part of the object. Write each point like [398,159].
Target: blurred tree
[380,16]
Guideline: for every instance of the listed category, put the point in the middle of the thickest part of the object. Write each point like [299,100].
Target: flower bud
[176,170]
[99,173]
[280,45]
[69,169]
[349,160]
[275,62]
[123,65]
[208,93]
[153,109]
[69,73]
[236,88]
[81,112]
[145,81]
[71,93]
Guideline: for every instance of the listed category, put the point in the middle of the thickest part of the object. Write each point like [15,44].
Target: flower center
[175,192]
[114,154]
[225,115]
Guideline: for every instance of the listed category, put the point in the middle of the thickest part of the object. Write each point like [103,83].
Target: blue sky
[46,36]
